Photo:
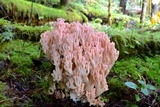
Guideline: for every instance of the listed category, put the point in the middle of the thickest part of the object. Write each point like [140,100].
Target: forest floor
[23,84]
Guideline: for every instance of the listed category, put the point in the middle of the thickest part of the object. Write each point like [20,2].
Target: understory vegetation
[25,69]
[134,80]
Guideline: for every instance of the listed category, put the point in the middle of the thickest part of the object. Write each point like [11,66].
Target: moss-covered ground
[24,69]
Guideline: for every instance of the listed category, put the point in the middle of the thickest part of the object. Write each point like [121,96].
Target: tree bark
[109,12]
[143,14]
[64,2]
[154,8]
[123,6]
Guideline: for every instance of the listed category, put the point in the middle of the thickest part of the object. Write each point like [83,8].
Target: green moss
[2,21]
[74,16]
[130,104]
[48,3]
[114,83]
[4,101]
[30,32]
[135,68]
[78,7]
[20,54]
[132,43]
[94,11]
[124,18]
[21,47]
[25,32]
[22,8]
[3,56]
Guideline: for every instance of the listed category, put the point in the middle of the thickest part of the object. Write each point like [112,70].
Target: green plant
[21,53]
[4,101]
[43,83]
[104,99]
[142,87]
[120,25]
[7,33]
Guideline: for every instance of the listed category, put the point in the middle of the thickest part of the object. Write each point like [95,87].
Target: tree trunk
[149,7]
[143,14]
[122,5]
[154,7]
[109,12]
[64,2]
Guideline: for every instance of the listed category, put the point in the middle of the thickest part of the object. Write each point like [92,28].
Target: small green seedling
[142,87]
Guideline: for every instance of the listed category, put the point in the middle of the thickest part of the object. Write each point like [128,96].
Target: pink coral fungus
[82,58]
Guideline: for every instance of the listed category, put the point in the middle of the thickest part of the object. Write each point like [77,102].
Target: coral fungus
[82,58]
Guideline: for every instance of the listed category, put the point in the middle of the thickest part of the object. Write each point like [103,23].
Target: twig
[30,19]
[5,12]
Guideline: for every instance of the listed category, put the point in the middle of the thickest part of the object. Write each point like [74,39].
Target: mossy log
[24,11]
[24,32]
[128,45]
[138,45]
[91,12]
